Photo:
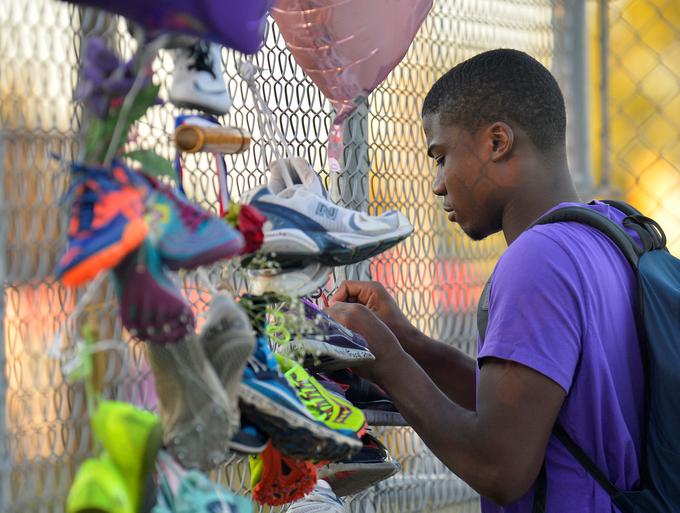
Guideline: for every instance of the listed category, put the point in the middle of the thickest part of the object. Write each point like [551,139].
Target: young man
[561,342]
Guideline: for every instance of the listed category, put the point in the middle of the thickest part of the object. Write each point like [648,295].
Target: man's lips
[450,213]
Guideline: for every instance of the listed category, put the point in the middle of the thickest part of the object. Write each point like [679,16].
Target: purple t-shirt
[563,292]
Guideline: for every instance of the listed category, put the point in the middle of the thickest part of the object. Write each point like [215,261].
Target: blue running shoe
[186,235]
[304,225]
[268,401]
[249,440]
[107,207]
[152,308]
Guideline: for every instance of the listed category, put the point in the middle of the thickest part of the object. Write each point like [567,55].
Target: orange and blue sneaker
[276,479]
[186,235]
[107,223]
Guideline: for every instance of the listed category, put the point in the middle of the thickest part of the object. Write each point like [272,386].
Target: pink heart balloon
[348,47]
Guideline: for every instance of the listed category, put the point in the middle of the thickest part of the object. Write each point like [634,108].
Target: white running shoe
[303,224]
[296,281]
[321,500]
[198,79]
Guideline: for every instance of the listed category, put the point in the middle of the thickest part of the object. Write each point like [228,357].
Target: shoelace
[201,58]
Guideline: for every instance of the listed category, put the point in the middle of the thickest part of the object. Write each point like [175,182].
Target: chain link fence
[436,275]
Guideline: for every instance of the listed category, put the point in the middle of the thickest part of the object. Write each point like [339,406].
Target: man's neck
[524,209]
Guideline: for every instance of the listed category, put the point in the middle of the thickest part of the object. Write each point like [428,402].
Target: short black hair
[501,85]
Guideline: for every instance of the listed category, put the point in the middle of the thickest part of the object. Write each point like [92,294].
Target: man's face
[464,176]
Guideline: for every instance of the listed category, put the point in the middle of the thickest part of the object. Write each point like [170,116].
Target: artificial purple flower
[104,78]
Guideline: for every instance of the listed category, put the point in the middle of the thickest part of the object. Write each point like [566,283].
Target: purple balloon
[238,24]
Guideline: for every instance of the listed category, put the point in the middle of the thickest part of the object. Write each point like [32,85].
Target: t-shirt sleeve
[536,312]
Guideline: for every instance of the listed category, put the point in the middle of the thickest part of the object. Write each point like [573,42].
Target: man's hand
[373,296]
[381,341]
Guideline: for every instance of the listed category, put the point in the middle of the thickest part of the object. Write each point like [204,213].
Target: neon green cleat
[333,410]
[98,487]
[131,437]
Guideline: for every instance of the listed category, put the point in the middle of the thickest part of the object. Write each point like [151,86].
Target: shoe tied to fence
[293,280]
[329,346]
[333,410]
[131,437]
[198,79]
[369,466]
[277,479]
[248,440]
[304,225]
[321,500]
[198,417]
[228,340]
[186,235]
[106,224]
[152,307]
[99,487]
[198,494]
[366,395]
[269,402]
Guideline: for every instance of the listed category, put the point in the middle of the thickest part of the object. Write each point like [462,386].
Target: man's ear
[502,138]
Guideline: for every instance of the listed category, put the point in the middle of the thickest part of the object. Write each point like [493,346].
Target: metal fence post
[570,67]
[4,444]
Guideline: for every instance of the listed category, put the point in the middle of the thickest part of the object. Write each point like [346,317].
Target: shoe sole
[247,449]
[293,434]
[322,356]
[224,251]
[384,418]
[109,257]
[185,104]
[333,252]
[352,478]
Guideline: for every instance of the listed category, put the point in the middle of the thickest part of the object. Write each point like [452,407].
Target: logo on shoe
[326,211]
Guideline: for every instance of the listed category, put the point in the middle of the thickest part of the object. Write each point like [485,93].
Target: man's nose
[438,186]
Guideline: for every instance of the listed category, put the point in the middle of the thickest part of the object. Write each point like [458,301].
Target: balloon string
[266,119]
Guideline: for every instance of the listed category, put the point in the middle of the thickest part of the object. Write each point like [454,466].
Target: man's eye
[439,161]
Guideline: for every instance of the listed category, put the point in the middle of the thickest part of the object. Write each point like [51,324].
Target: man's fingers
[352,291]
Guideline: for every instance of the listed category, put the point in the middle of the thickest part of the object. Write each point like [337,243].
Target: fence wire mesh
[436,275]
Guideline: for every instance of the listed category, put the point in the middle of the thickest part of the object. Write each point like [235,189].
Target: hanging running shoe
[186,235]
[228,340]
[131,438]
[330,346]
[99,486]
[152,307]
[248,440]
[321,500]
[269,402]
[276,479]
[107,208]
[198,79]
[369,466]
[198,416]
[193,492]
[306,226]
[291,280]
[369,397]
[332,409]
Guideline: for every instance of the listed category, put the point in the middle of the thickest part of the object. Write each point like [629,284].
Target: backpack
[658,323]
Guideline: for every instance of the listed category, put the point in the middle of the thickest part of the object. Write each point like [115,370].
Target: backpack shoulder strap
[588,216]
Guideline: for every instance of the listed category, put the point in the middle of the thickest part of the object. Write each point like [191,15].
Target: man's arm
[449,368]
[498,449]
[453,371]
